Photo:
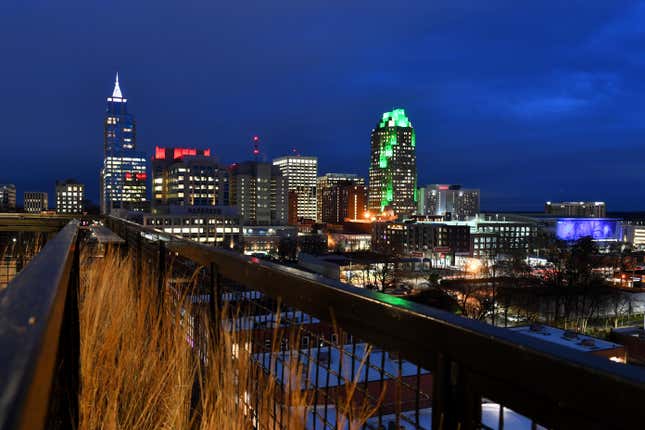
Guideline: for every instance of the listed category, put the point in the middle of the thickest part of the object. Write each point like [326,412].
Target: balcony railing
[39,336]
[469,362]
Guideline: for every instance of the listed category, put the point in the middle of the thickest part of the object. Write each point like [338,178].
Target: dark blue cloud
[530,101]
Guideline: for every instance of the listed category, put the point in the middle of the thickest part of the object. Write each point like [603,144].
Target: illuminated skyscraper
[330,180]
[393,165]
[123,176]
[301,173]
[260,192]
[343,201]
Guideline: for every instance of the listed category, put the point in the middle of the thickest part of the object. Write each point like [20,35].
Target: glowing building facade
[450,201]
[599,229]
[260,192]
[325,184]
[300,173]
[216,226]
[187,177]
[7,197]
[576,209]
[393,165]
[35,202]
[344,201]
[69,197]
[123,176]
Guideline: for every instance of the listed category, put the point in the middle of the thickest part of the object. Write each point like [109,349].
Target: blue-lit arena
[600,229]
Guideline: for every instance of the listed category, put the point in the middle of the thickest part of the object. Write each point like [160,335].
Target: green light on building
[393,142]
[382,161]
[389,151]
[397,116]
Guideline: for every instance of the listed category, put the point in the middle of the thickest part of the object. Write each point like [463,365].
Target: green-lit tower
[393,165]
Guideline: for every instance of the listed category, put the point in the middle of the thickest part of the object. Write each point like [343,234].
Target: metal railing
[469,362]
[39,338]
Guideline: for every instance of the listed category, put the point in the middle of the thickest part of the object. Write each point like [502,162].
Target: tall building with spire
[124,173]
[393,165]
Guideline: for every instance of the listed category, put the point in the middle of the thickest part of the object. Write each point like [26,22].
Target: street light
[473,266]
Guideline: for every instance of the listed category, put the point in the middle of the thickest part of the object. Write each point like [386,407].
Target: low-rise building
[633,339]
[447,243]
[404,238]
[349,242]
[35,202]
[493,236]
[634,234]
[7,197]
[575,209]
[212,225]
[267,240]
[576,341]
[69,197]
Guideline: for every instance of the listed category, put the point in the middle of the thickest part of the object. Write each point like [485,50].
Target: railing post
[161,272]
[63,408]
[139,260]
[215,302]
[74,353]
[455,404]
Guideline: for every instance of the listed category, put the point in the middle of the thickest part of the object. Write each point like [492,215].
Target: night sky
[529,101]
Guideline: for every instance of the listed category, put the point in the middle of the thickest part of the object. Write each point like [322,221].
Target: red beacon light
[256,145]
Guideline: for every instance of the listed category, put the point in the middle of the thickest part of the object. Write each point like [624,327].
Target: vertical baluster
[399,393]
[500,423]
[367,373]
[161,272]
[327,371]
[316,385]
[215,302]
[381,385]
[340,380]
[417,396]
[308,368]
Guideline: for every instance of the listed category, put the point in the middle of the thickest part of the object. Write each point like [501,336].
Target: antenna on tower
[256,147]
[295,152]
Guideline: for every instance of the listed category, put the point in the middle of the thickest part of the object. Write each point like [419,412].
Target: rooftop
[566,338]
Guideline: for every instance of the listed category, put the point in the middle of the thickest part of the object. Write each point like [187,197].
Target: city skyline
[563,96]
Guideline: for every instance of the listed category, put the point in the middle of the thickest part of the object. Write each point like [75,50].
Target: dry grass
[138,371]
